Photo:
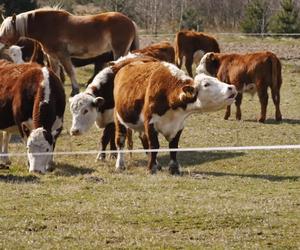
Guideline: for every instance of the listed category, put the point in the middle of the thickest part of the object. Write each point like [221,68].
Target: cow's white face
[15,53]
[39,141]
[212,93]
[84,110]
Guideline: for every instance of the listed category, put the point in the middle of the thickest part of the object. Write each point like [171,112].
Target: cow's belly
[138,126]
[170,123]
[105,118]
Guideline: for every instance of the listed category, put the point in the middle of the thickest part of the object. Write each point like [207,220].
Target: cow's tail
[276,73]
[136,41]
[178,57]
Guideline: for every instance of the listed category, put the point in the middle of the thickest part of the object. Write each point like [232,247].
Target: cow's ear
[14,19]
[98,102]
[25,130]
[188,93]
[212,57]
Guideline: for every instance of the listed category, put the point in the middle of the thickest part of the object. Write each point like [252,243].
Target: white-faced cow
[251,72]
[32,104]
[192,46]
[96,104]
[159,97]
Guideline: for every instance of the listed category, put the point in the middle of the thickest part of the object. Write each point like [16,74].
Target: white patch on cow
[213,94]
[100,79]
[201,68]
[46,84]
[128,56]
[37,144]
[15,53]
[170,123]
[178,73]
[105,118]
[198,54]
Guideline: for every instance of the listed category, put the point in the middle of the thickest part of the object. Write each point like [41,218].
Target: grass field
[244,199]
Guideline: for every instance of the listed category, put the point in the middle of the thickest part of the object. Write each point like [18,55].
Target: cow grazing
[32,102]
[192,45]
[96,104]
[159,97]
[252,72]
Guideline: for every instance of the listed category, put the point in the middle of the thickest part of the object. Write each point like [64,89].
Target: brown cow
[158,98]
[191,44]
[251,72]
[32,104]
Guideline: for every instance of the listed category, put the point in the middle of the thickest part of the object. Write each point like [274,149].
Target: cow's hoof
[75,91]
[3,166]
[261,120]
[158,166]
[174,168]
[100,157]
[278,118]
[113,156]
[120,168]
[152,170]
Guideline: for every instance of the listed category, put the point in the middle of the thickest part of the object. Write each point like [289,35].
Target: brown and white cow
[159,97]
[192,45]
[251,72]
[32,104]
[96,104]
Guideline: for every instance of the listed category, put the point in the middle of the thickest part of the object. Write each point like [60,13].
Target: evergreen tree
[17,6]
[191,20]
[286,20]
[256,17]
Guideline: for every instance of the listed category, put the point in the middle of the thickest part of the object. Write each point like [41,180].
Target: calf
[191,45]
[252,72]
[32,103]
[159,97]
[96,104]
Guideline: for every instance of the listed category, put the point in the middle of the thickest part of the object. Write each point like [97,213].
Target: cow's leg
[153,142]
[262,92]
[129,141]
[276,100]
[228,112]
[70,70]
[174,166]
[4,140]
[113,143]
[188,64]
[238,103]
[144,141]
[105,139]
[120,143]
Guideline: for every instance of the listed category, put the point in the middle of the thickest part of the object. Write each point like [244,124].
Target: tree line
[169,16]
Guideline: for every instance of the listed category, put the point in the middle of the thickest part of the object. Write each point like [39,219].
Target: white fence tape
[229,34]
[204,149]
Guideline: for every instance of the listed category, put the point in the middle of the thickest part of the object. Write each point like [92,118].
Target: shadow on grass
[10,178]
[70,170]
[255,176]
[197,158]
[274,122]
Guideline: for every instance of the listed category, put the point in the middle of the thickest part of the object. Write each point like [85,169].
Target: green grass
[245,199]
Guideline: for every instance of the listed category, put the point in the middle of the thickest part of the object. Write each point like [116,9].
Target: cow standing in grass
[32,104]
[251,72]
[159,97]
[192,46]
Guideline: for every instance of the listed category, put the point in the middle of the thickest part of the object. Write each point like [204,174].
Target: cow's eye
[206,84]
[85,111]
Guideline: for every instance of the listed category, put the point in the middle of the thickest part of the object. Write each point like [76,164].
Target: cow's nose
[35,171]
[74,132]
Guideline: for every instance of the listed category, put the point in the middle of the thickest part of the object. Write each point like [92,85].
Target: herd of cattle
[132,89]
